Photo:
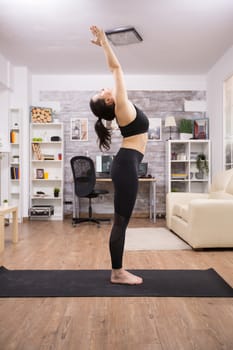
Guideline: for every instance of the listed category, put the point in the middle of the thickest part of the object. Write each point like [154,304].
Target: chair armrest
[180,198]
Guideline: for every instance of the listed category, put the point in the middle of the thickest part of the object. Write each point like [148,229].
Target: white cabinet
[15,160]
[182,172]
[46,170]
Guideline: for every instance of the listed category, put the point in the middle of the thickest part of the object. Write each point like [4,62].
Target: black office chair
[84,174]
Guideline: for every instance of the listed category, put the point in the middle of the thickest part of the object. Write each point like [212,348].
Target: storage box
[41,211]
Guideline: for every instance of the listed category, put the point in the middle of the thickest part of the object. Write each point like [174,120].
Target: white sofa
[204,220]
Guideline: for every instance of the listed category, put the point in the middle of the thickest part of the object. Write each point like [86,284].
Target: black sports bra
[139,125]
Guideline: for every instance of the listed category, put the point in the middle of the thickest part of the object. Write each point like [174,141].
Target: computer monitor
[143,168]
[104,163]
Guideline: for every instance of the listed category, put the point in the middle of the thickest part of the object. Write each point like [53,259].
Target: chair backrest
[83,170]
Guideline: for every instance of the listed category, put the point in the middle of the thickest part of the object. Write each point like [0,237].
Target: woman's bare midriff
[137,142]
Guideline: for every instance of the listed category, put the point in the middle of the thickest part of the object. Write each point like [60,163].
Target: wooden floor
[110,323]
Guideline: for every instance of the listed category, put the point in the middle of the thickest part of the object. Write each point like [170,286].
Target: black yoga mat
[96,283]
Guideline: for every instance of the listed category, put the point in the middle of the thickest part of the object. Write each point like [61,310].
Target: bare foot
[122,276]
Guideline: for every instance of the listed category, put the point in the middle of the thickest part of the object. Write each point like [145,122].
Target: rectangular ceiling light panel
[123,36]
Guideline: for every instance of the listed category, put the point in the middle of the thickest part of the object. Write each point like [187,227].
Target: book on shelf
[15,172]
[48,157]
[179,176]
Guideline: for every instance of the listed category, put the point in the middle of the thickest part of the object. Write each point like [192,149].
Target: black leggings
[124,172]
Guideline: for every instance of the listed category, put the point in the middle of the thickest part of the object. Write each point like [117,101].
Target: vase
[185,136]
[199,175]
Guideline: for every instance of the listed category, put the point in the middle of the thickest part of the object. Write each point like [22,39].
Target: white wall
[4,111]
[5,73]
[5,86]
[96,82]
[4,140]
[222,70]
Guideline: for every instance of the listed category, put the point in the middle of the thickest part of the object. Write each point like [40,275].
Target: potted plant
[56,192]
[202,166]
[5,202]
[186,129]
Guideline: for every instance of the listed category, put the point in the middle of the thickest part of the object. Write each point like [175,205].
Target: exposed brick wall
[156,104]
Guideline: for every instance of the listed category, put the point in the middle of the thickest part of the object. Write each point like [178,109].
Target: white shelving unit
[182,172]
[46,168]
[15,160]
[228,123]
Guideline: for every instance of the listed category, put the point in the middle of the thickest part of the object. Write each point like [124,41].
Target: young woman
[109,104]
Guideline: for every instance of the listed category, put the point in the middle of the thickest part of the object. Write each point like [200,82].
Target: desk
[3,212]
[152,192]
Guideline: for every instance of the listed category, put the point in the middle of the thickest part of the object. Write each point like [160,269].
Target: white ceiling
[179,36]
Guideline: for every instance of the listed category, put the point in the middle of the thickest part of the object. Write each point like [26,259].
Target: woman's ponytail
[106,112]
[104,135]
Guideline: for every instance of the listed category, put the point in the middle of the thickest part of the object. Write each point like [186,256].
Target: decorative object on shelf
[79,129]
[56,192]
[5,202]
[181,156]
[55,138]
[40,173]
[14,136]
[155,129]
[186,129]
[41,115]
[15,159]
[201,129]
[202,166]
[193,155]
[15,125]
[37,139]
[169,123]
[37,151]
[55,118]
[40,194]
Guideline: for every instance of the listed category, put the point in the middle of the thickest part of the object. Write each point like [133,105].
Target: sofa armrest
[173,198]
[211,216]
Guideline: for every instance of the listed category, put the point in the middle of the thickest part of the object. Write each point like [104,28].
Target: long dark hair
[103,111]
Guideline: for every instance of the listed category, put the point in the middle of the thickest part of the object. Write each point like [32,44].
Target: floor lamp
[169,123]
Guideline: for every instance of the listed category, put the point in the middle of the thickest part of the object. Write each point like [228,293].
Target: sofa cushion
[181,210]
[220,195]
[220,180]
